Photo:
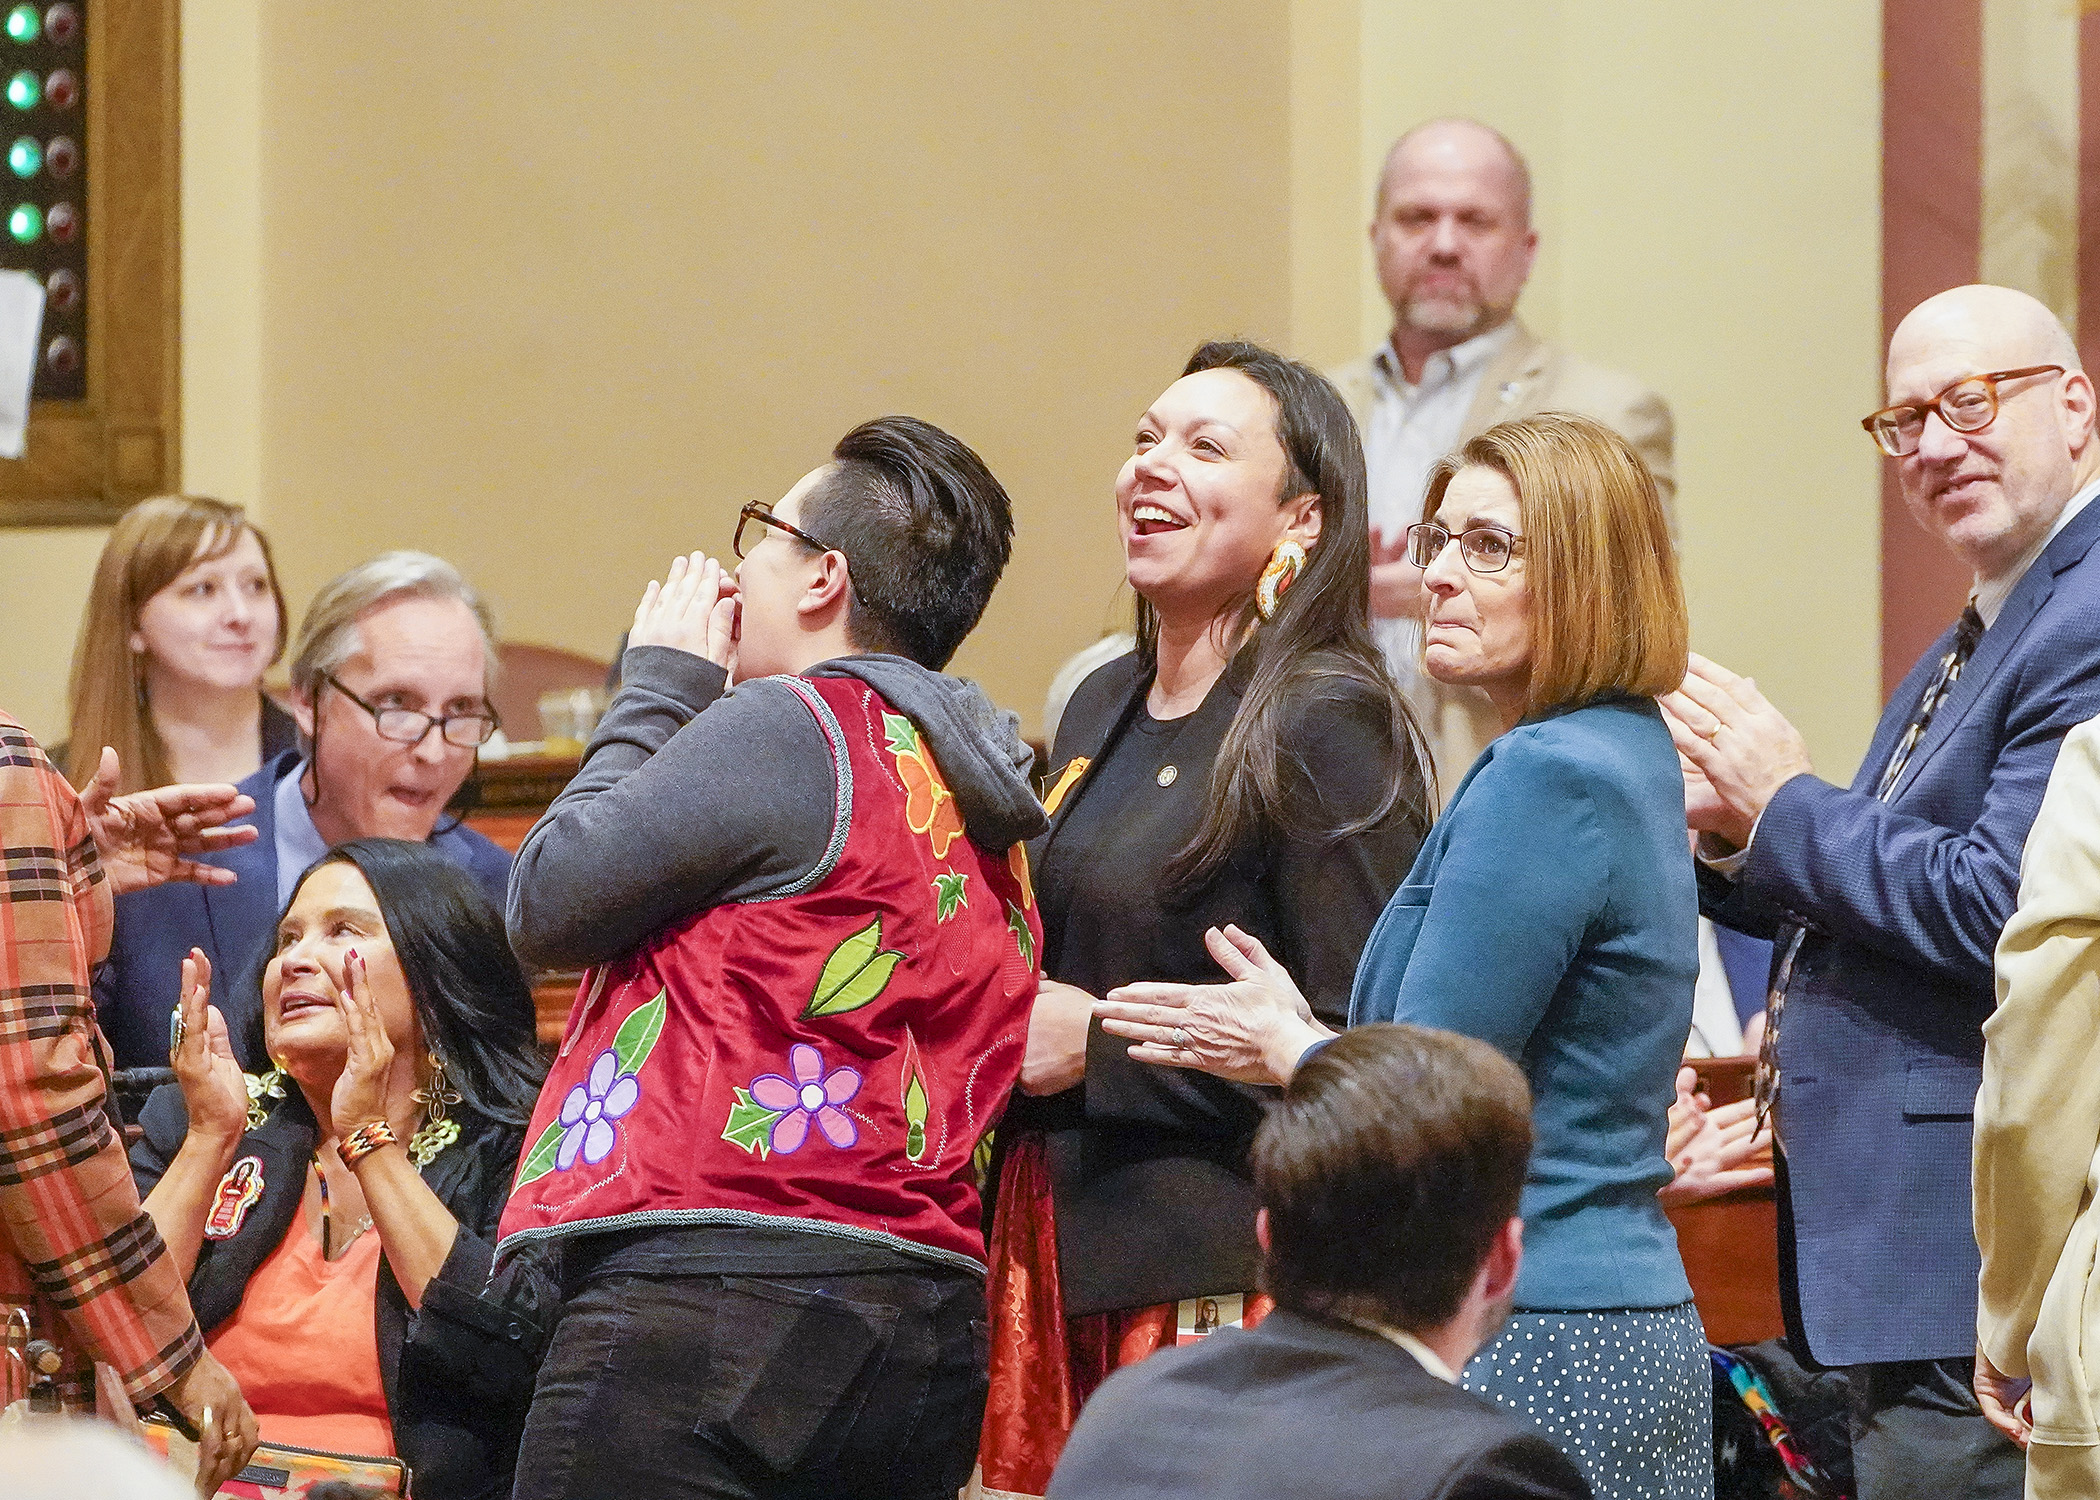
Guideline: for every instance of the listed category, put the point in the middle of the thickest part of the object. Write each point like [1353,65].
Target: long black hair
[1319,645]
[470,996]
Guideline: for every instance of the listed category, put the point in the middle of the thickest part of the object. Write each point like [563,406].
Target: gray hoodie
[693,794]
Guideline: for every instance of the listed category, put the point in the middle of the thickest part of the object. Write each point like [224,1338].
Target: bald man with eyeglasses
[1885,900]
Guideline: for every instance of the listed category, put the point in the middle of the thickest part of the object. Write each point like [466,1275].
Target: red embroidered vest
[828,1056]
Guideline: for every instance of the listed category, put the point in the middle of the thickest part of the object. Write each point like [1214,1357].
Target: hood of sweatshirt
[977,745]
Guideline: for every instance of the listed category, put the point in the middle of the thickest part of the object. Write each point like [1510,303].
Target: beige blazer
[1529,375]
[2038,1132]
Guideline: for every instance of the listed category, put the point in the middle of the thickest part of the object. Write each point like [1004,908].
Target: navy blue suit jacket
[1881,1046]
[1304,1409]
[156,928]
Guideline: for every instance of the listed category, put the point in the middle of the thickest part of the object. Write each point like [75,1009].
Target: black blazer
[1305,1409]
[459,1371]
[1148,1165]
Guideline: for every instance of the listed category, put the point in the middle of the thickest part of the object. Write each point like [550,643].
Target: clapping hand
[1713,1150]
[146,838]
[1252,1030]
[213,1088]
[1742,748]
[693,610]
[360,1092]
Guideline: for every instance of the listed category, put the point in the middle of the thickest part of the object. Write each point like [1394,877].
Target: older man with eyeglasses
[390,678]
[1885,900]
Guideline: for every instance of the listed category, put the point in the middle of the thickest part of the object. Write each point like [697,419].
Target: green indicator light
[23,25]
[23,90]
[25,157]
[26,223]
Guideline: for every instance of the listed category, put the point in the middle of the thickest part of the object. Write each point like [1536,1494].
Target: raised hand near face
[368,1065]
[213,1088]
[148,838]
[692,610]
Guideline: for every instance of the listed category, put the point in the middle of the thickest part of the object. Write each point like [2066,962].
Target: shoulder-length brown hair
[1318,647]
[1607,607]
[151,545]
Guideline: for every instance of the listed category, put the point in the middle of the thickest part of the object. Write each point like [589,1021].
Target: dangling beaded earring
[436,1132]
[263,1087]
[1285,564]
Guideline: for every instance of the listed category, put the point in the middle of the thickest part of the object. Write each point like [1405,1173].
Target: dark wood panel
[89,460]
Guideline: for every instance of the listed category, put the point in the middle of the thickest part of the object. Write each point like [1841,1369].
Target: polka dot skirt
[1627,1395]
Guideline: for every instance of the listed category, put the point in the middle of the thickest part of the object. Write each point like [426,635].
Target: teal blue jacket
[1553,912]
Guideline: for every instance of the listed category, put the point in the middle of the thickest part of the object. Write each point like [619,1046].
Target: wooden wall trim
[1931,239]
[87,461]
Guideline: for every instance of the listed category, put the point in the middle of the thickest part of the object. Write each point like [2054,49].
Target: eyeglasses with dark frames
[1968,405]
[1484,549]
[407,726]
[762,513]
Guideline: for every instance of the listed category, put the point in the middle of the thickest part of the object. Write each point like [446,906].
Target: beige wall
[555,298]
[1707,189]
[46,572]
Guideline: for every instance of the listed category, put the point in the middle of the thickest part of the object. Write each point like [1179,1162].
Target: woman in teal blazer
[1553,912]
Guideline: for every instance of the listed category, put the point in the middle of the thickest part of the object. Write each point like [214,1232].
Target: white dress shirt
[299,843]
[1410,428]
[1425,1356]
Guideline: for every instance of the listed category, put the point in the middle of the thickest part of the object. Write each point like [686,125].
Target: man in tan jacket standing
[2038,1146]
[1452,233]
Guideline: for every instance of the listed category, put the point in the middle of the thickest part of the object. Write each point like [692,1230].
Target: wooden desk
[1731,1244]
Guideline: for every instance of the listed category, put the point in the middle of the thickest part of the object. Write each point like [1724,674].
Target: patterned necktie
[1966,633]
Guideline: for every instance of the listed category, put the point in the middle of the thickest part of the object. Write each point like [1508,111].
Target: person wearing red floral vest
[793,863]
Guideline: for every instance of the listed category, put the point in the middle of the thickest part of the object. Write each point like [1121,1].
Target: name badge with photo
[1199,1317]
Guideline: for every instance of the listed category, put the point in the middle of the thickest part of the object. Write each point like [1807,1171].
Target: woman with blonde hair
[184,618]
[1552,911]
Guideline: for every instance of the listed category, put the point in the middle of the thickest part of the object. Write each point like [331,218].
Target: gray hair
[328,636]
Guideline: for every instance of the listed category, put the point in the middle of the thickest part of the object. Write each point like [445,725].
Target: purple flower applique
[811,1093]
[588,1113]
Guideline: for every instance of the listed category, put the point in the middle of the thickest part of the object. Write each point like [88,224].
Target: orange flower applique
[1017,862]
[929,807]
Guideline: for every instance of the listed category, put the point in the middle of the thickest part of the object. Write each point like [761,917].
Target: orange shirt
[304,1347]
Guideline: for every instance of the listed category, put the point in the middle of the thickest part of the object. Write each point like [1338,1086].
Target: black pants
[739,1387]
[1918,1434]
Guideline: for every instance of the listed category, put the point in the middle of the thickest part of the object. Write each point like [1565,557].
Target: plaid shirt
[75,1247]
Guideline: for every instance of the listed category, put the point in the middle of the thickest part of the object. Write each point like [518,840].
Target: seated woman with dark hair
[337,1235]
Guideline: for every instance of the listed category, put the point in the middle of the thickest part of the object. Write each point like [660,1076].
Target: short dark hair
[926,531]
[471,999]
[1388,1167]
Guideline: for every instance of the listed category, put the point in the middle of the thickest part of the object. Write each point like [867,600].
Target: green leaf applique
[948,894]
[636,1038]
[750,1125]
[903,734]
[915,1122]
[856,973]
[1017,924]
[539,1161]
[915,1102]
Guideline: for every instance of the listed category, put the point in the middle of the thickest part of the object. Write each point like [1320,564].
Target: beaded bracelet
[364,1140]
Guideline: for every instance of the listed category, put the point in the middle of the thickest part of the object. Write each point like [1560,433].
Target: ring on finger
[1709,734]
[1181,1039]
[176,1031]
